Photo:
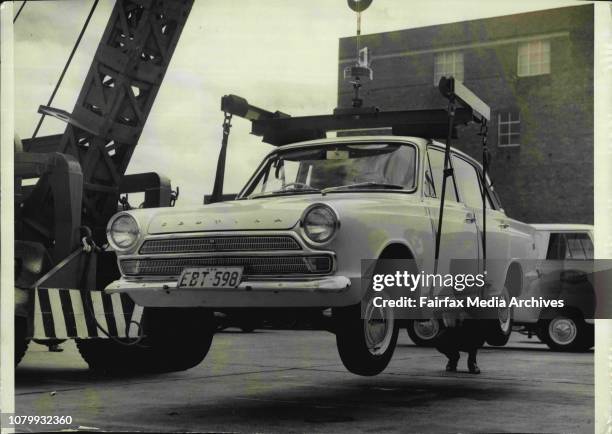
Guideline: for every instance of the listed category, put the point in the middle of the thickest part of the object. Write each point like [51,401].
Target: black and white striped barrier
[72,313]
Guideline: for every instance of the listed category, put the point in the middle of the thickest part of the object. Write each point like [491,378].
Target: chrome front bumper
[323,284]
[326,291]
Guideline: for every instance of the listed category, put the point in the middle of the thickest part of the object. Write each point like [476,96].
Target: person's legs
[446,343]
[453,359]
[471,363]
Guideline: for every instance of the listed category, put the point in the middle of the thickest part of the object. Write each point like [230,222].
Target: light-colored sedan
[296,234]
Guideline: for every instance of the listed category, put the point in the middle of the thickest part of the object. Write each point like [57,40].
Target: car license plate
[210,277]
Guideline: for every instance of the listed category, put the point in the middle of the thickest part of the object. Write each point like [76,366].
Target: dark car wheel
[365,345]
[423,333]
[176,340]
[567,332]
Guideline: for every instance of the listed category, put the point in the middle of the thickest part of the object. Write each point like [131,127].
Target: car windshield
[340,167]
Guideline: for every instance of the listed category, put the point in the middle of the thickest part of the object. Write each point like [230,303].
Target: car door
[498,225]
[459,236]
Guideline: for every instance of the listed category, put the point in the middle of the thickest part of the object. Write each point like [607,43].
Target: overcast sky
[279,54]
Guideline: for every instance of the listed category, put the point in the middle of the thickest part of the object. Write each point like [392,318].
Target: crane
[61,264]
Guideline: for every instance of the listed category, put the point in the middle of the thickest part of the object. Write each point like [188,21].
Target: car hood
[272,213]
[258,214]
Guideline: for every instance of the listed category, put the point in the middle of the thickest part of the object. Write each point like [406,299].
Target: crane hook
[359,5]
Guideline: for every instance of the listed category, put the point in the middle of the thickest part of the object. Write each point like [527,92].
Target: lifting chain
[87,242]
[217,194]
[227,124]
[125,205]
[484,132]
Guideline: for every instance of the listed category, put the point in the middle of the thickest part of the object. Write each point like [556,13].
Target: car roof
[562,227]
[420,141]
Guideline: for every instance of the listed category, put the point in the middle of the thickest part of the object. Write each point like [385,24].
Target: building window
[534,58]
[508,129]
[448,64]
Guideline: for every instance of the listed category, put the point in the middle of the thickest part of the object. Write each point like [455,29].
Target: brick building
[535,70]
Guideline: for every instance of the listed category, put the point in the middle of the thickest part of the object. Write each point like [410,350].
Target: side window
[557,247]
[468,181]
[436,160]
[492,196]
[429,188]
[575,246]
[580,246]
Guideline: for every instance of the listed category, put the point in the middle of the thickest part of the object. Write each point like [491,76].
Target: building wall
[549,177]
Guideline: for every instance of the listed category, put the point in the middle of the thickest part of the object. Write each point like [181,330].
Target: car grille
[220,244]
[253,265]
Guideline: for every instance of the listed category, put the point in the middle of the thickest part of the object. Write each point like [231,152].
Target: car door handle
[504,225]
[470,218]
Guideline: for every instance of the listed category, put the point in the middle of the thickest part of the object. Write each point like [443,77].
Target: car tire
[365,345]
[423,333]
[499,330]
[175,339]
[21,340]
[567,332]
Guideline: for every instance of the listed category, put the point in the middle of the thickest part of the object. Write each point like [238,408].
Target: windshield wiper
[285,191]
[382,185]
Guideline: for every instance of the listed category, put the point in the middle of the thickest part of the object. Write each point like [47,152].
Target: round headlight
[320,223]
[123,232]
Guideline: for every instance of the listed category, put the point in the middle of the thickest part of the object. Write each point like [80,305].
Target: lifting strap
[448,171]
[217,194]
[457,93]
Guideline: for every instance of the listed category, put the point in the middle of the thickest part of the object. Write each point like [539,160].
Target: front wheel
[423,333]
[365,345]
[566,332]
[175,339]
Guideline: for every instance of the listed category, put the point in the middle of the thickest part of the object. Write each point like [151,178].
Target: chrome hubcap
[562,330]
[378,326]
[426,330]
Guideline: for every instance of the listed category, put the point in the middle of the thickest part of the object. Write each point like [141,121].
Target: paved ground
[281,381]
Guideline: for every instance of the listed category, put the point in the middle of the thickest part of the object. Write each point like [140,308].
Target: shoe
[473,368]
[451,366]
